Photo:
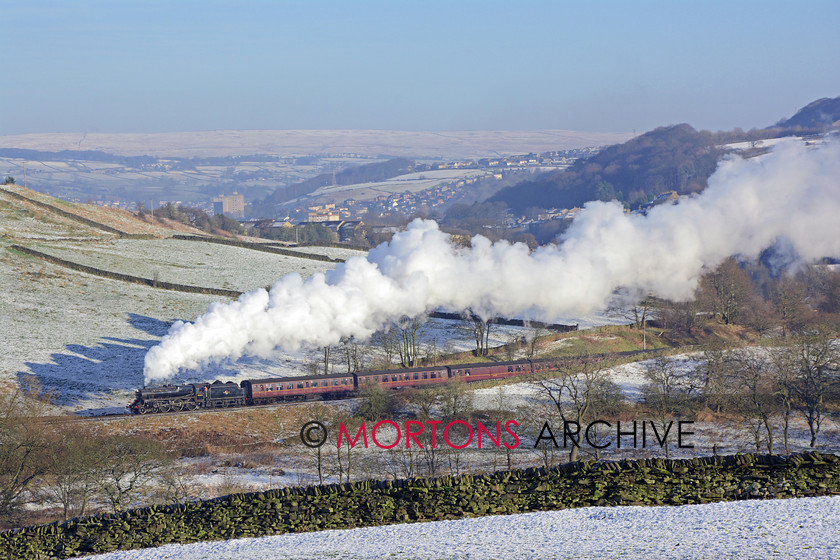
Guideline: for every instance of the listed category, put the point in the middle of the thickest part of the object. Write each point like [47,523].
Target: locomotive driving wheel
[165,407]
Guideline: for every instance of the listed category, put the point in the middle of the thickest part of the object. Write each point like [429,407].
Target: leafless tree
[126,466]
[408,332]
[532,338]
[814,362]
[726,291]
[581,396]
[353,355]
[479,329]
[752,394]
[669,391]
[23,446]
[344,455]
[710,377]
[71,469]
[788,295]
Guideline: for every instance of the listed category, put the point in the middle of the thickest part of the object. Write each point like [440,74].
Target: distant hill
[676,158]
[818,116]
[369,173]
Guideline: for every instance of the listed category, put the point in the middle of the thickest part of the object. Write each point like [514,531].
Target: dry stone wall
[361,504]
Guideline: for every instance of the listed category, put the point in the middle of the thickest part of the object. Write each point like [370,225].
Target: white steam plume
[792,193]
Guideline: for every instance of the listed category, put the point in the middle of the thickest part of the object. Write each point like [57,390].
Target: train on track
[250,392]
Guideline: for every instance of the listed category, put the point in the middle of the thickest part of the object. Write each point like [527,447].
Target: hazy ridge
[366,143]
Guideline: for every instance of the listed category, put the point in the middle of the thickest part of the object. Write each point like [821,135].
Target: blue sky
[153,66]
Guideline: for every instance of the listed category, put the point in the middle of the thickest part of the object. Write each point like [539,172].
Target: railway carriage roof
[401,370]
[300,378]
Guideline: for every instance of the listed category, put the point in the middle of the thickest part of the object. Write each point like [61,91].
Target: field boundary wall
[648,482]
[126,277]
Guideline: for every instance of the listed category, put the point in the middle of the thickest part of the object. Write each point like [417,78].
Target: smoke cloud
[791,195]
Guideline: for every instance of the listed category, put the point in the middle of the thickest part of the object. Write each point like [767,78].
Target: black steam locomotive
[187,397]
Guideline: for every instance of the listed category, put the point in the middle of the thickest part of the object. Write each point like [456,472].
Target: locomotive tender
[338,385]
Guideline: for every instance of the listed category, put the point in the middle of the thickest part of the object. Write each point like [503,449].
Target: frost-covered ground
[795,528]
[82,337]
[332,252]
[185,262]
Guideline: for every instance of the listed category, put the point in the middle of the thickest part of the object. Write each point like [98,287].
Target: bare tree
[71,469]
[580,396]
[637,311]
[532,338]
[23,446]
[669,391]
[752,393]
[479,329]
[814,361]
[402,462]
[126,466]
[783,382]
[353,355]
[319,412]
[408,332]
[726,291]
[788,295]
[710,377]
[343,456]
[327,357]
[426,400]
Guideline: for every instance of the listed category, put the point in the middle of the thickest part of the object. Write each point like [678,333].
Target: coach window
[261,387]
[510,369]
[416,376]
[300,385]
[393,378]
[290,386]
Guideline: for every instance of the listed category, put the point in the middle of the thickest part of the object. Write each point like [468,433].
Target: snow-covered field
[794,528]
[413,182]
[331,252]
[185,262]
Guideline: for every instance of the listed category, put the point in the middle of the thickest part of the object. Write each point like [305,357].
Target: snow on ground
[331,252]
[81,336]
[793,528]
[186,262]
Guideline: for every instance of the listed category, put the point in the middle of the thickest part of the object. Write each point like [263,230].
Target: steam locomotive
[333,386]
